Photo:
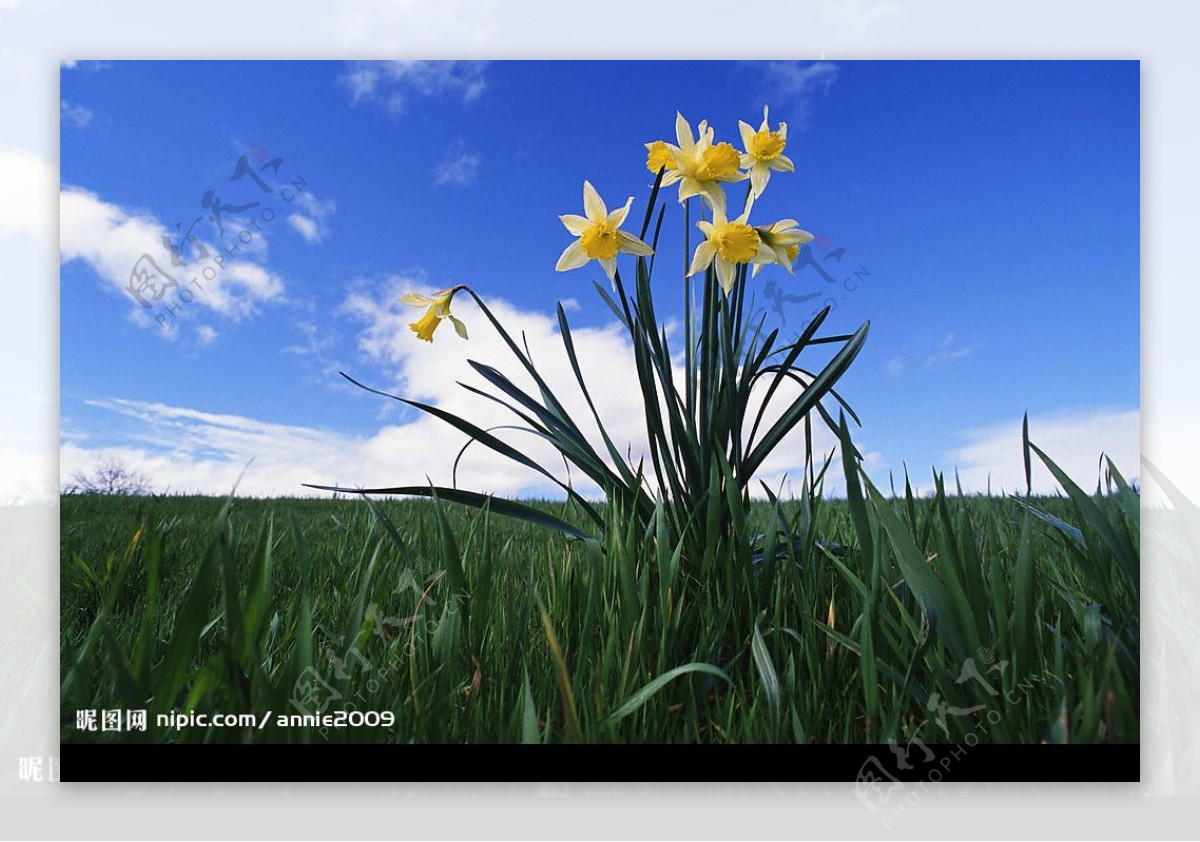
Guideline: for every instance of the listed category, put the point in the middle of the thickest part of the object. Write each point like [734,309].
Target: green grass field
[858,621]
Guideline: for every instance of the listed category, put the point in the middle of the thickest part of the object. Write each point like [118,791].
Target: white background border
[34,36]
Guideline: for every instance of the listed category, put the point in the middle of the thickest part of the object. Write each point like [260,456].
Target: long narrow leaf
[499,505]
[647,692]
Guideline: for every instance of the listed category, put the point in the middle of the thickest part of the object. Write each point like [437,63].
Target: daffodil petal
[617,217]
[783,164]
[689,187]
[574,223]
[459,327]
[609,265]
[747,132]
[630,244]
[714,195]
[683,133]
[725,274]
[415,299]
[571,258]
[702,258]
[759,175]
[593,205]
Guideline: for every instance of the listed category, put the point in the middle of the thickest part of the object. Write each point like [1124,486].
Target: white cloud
[395,83]
[947,351]
[895,367]
[205,334]
[428,371]
[794,85]
[105,236]
[74,115]
[1073,440]
[72,64]
[240,284]
[306,227]
[188,450]
[191,449]
[943,357]
[310,221]
[459,169]
[316,341]
[111,240]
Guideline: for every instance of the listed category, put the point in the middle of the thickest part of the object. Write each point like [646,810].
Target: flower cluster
[687,490]
[700,166]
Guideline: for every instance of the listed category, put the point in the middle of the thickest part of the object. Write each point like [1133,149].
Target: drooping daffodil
[600,237]
[701,166]
[728,244]
[784,239]
[764,153]
[438,308]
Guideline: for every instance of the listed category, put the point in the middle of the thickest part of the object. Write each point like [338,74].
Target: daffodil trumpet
[437,309]
[599,235]
[701,166]
[763,153]
[728,244]
[784,239]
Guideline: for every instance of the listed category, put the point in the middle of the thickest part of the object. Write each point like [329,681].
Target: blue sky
[986,215]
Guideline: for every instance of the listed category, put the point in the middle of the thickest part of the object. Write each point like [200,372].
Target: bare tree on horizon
[110,476]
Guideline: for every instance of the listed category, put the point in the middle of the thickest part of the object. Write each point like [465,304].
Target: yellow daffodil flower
[438,306]
[600,237]
[764,153]
[729,244]
[784,239]
[658,155]
[702,166]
